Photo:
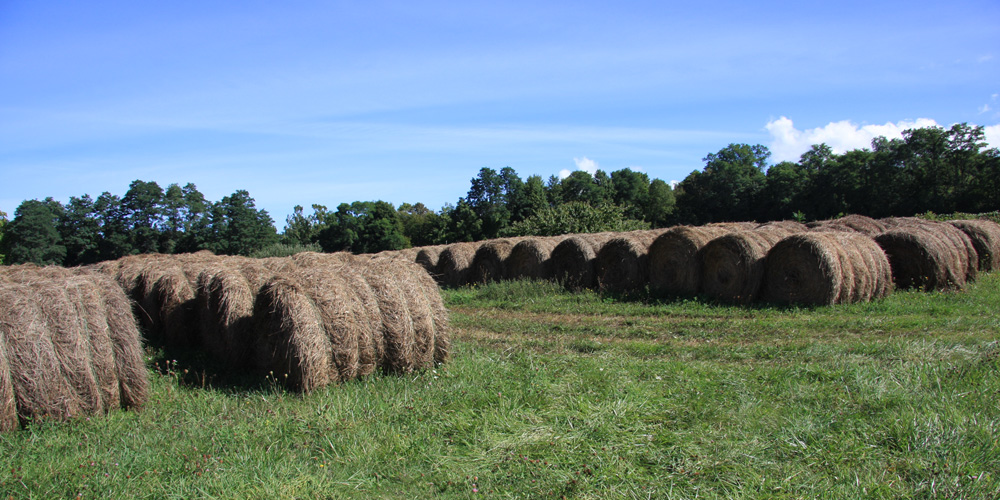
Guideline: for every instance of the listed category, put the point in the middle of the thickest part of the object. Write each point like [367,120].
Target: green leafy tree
[80,229]
[363,227]
[488,198]
[114,242]
[464,223]
[142,206]
[660,204]
[583,187]
[575,217]
[301,229]
[421,225]
[238,227]
[33,235]
[3,229]
[729,187]
[530,200]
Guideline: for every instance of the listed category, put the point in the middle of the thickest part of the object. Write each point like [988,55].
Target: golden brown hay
[572,260]
[621,265]
[853,222]
[428,258]
[788,226]
[674,267]
[341,314]
[84,293]
[732,265]
[454,263]
[126,343]
[396,325]
[923,256]
[371,345]
[823,268]
[40,387]
[529,259]
[985,238]
[225,302]
[732,226]
[489,262]
[292,345]
[418,305]
[8,402]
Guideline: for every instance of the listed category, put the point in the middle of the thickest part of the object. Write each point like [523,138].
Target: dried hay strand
[621,265]
[732,265]
[225,302]
[395,325]
[292,344]
[788,227]
[126,342]
[489,262]
[40,387]
[172,306]
[454,263]
[423,317]
[926,256]
[674,267]
[85,294]
[985,238]
[733,226]
[341,316]
[428,258]
[314,259]
[8,402]
[529,259]
[572,260]
[853,222]
[371,345]
[824,268]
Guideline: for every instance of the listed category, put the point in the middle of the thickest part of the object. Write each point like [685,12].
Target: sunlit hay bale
[732,226]
[341,316]
[442,327]
[622,263]
[960,240]
[732,265]
[71,344]
[423,316]
[790,227]
[985,238]
[489,262]
[454,263]
[126,342]
[84,292]
[312,259]
[40,386]
[674,267]
[225,302]
[173,306]
[824,268]
[371,344]
[292,345]
[923,256]
[572,260]
[396,325]
[853,222]
[428,258]
[8,402]
[529,259]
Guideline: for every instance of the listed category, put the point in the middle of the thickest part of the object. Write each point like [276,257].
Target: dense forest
[929,169]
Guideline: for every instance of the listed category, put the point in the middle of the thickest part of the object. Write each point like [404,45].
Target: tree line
[929,169]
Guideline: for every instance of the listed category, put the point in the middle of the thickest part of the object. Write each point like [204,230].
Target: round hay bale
[442,328]
[529,259]
[396,325]
[489,262]
[923,257]
[341,314]
[454,263]
[824,268]
[40,386]
[292,345]
[225,302]
[172,306]
[853,222]
[126,343]
[622,265]
[85,294]
[371,345]
[732,265]
[428,258]
[985,238]
[572,260]
[422,316]
[789,227]
[674,267]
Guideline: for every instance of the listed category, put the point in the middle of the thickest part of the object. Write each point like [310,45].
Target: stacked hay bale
[732,265]
[530,258]
[69,344]
[428,257]
[824,268]
[622,263]
[674,266]
[572,260]
[929,255]
[985,238]
[454,263]
[851,223]
[489,262]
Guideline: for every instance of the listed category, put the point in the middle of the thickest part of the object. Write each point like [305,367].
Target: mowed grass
[552,394]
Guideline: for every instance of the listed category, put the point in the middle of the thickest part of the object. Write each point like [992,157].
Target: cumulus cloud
[992,135]
[585,164]
[788,143]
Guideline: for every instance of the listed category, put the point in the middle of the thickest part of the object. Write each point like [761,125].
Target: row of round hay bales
[310,320]
[69,346]
[929,255]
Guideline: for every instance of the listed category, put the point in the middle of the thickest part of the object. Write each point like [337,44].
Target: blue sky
[305,102]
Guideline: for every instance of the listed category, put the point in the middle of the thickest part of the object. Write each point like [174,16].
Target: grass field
[551,394]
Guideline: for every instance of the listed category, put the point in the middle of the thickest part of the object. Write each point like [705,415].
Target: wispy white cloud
[992,133]
[788,143]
